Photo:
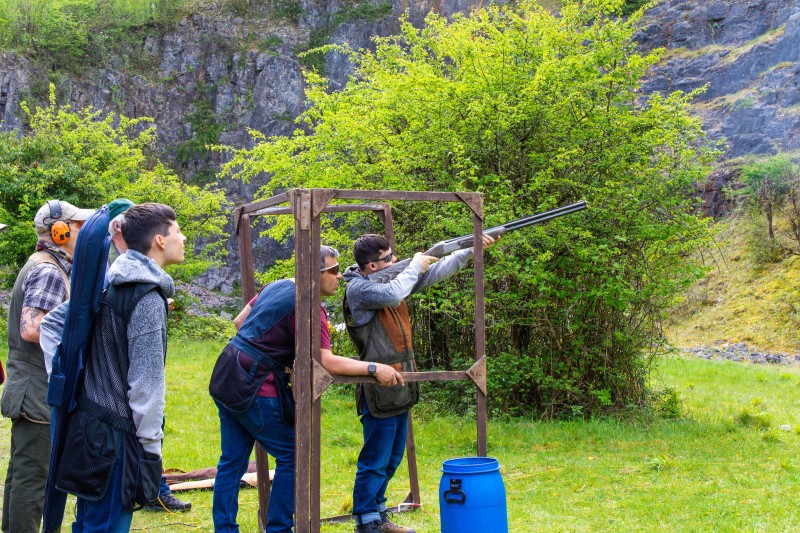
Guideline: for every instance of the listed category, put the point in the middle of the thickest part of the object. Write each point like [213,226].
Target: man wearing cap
[42,284]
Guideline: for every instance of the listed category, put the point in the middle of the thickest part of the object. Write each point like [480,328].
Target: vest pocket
[93,445]
[236,379]
[141,475]
[384,402]
[390,398]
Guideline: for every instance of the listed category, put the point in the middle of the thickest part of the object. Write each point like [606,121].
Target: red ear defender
[59,232]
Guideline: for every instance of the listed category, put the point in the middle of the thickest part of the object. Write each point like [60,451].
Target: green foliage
[667,403]
[206,129]
[270,43]
[204,123]
[71,33]
[183,326]
[631,6]
[534,111]
[769,181]
[3,322]
[753,227]
[89,160]
[755,415]
[364,10]
[189,150]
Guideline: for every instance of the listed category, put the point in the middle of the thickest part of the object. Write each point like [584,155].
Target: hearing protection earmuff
[59,230]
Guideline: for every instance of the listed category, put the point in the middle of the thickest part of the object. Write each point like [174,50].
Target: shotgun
[459,243]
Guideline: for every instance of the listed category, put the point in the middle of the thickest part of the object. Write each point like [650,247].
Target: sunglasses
[332,269]
[386,259]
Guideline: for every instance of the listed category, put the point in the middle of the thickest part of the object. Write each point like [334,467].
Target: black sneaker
[369,527]
[169,503]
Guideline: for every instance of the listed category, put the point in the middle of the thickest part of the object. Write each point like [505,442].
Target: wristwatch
[372,368]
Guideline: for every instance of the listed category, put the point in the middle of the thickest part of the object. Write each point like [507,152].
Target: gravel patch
[741,352]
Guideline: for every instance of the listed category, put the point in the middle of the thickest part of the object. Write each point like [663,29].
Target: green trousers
[23,497]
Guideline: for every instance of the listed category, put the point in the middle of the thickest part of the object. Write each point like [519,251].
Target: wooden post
[248,291]
[411,459]
[480,326]
[301,204]
[317,202]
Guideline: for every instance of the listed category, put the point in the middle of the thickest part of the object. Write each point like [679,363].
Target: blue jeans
[106,515]
[163,488]
[238,431]
[384,446]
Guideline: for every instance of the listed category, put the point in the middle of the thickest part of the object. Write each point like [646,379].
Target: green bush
[88,160]
[768,183]
[667,403]
[762,251]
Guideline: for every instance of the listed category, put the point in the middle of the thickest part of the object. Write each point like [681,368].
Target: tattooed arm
[29,323]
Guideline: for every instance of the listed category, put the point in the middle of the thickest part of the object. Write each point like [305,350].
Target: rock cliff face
[14,74]
[748,53]
[214,75]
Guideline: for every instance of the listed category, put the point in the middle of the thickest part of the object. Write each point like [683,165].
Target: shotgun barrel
[459,243]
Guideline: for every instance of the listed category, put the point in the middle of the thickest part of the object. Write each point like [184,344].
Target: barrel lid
[470,465]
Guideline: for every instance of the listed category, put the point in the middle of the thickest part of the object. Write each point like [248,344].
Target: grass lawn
[722,466]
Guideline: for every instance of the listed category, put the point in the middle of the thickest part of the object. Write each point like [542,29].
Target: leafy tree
[533,110]
[793,206]
[89,160]
[768,183]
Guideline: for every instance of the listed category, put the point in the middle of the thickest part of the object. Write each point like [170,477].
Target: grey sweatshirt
[364,297]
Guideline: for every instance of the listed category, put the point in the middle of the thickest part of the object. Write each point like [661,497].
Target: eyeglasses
[332,269]
[386,259]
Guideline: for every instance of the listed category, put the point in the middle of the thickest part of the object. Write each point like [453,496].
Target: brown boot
[387,526]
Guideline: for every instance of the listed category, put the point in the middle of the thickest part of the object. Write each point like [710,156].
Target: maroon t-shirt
[267,388]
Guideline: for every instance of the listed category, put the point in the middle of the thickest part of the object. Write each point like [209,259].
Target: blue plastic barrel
[472,497]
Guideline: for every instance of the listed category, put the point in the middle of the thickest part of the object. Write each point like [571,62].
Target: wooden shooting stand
[310,379]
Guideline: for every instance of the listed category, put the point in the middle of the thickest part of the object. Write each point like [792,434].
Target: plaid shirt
[44,285]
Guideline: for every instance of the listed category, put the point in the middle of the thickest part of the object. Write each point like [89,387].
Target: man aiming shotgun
[377,320]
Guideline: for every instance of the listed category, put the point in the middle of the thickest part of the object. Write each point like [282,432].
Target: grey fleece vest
[385,339]
[25,390]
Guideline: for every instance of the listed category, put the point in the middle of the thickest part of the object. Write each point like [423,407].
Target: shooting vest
[385,339]
[264,344]
[25,390]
